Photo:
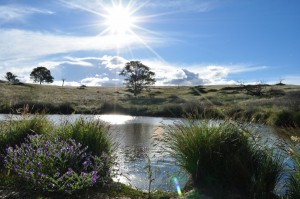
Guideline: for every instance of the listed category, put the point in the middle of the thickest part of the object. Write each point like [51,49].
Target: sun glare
[120,23]
[119,20]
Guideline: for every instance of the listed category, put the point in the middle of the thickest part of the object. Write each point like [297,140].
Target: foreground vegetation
[224,161]
[276,105]
[75,160]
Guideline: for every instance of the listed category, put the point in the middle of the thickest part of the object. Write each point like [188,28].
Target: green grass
[209,101]
[93,134]
[14,132]
[223,161]
[294,179]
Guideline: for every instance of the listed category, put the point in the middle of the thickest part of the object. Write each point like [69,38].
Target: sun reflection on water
[115,119]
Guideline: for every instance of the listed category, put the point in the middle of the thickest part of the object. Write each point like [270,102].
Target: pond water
[136,149]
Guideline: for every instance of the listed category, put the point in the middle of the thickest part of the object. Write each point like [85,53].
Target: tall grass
[93,134]
[222,160]
[14,132]
[294,179]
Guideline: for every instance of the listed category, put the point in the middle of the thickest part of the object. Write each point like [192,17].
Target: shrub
[222,160]
[53,164]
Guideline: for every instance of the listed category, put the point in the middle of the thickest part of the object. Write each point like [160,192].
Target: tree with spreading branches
[41,74]
[11,77]
[137,76]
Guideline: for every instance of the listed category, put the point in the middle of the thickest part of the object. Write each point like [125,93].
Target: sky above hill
[185,42]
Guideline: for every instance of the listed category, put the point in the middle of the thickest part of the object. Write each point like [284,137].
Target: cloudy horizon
[188,42]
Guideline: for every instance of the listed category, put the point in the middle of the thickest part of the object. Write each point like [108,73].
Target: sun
[119,20]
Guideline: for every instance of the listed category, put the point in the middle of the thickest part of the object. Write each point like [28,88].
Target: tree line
[40,74]
[137,76]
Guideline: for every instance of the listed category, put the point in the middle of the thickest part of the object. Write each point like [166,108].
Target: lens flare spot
[177,185]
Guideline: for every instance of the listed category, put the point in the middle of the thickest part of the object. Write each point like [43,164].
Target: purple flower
[9,149]
[95,177]
[69,172]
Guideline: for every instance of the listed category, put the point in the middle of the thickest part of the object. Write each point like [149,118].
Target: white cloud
[291,79]
[96,81]
[243,69]
[103,71]
[66,83]
[16,43]
[14,12]
[113,62]
[29,44]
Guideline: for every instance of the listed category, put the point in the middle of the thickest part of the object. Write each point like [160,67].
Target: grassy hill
[277,105]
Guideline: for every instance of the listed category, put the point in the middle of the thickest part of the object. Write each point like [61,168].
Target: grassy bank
[279,105]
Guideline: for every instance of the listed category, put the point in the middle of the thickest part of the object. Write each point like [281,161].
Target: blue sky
[185,42]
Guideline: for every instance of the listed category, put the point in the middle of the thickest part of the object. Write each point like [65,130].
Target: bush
[53,165]
[222,161]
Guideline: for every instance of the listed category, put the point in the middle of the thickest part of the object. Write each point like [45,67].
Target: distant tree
[11,77]
[138,76]
[280,83]
[41,74]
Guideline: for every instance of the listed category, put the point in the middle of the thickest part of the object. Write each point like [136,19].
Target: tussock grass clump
[222,160]
[14,132]
[89,133]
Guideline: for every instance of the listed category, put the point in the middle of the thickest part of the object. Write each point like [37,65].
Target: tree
[138,76]
[41,74]
[11,77]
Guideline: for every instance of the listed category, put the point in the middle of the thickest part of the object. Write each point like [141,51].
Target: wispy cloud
[290,79]
[10,13]
[25,44]
[185,5]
